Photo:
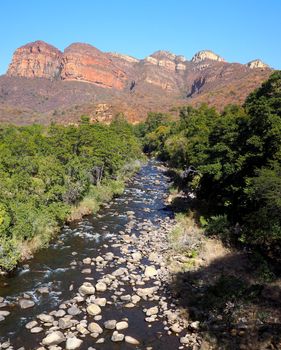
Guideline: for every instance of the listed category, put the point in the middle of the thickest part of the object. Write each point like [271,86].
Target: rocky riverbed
[104,284]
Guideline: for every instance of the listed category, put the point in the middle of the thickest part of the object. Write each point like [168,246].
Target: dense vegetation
[236,161]
[48,173]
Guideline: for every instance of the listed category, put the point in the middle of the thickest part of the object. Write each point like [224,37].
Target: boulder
[53,338]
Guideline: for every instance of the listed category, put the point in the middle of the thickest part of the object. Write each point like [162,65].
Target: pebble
[93,309]
[36,330]
[121,325]
[95,328]
[110,324]
[26,304]
[117,337]
[53,338]
[131,340]
[73,343]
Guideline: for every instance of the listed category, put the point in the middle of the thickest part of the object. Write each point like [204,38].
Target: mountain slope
[46,84]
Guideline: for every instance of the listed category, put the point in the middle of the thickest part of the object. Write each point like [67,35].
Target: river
[59,268]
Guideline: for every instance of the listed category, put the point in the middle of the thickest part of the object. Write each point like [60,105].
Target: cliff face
[37,59]
[86,63]
[82,75]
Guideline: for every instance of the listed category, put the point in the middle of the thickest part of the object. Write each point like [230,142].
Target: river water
[90,237]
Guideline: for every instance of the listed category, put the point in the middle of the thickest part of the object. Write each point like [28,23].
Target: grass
[186,235]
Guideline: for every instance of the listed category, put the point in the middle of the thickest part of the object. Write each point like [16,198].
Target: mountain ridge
[130,85]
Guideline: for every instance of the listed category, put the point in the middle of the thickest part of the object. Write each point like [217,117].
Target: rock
[152,311]
[119,272]
[31,324]
[65,323]
[46,318]
[43,290]
[95,328]
[101,287]
[60,313]
[184,340]
[53,338]
[117,337]
[136,256]
[37,59]
[87,289]
[73,343]
[131,340]
[93,309]
[73,311]
[176,328]
[125,297]
[110,324]
[36,330]
[206,54]
[81,329]
[135,299]
[145,292]
[257,64]
[195,325]
[85,62]
[86,271]
[100,301]
[121,325]
[150,271]
[100,341]
[4,313]
[87,261]
[25,304]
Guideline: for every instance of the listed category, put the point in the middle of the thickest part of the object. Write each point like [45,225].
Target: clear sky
[238,30]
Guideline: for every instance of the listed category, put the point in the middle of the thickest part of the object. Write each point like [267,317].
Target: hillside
[43,84]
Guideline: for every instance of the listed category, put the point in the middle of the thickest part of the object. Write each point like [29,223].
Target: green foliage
[45,171]
[237,157]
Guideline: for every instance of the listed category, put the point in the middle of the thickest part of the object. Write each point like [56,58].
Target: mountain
[43,84]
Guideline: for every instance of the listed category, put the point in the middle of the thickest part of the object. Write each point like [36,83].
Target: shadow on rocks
[234,311]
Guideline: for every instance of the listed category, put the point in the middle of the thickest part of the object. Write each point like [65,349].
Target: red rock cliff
[37,59]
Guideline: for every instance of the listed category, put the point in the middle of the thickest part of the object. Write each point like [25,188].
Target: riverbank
[231,297]
[97,196]
[95,273]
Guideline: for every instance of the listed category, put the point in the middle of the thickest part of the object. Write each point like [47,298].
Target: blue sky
[239,30]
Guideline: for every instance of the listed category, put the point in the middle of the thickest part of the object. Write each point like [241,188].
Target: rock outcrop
[257,64]
[166,60]
[37,59]
[84,62]
[206,55]
[83,80]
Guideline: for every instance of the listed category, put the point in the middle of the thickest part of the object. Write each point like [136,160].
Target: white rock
[121,325]
[117,337]
[31,324]
[152,311]
[95,328]
[46,318]
[73,343]
[87,289]
[101,287]
[93,309]
[110,324]
[131,340]
[53,338]
[36,330]
[150,271]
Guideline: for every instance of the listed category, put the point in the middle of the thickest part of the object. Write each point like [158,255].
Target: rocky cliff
[82,77]
[37,59]
[84,62]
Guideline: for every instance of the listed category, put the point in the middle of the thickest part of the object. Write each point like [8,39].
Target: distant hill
[43,84]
